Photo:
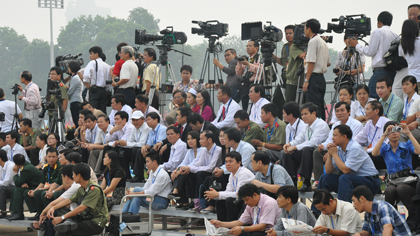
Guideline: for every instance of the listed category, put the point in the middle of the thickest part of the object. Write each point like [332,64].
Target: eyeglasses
[178,97]
[50,138]
[413,15]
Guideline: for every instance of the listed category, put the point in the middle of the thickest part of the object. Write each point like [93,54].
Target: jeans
[376,75]
[133,205]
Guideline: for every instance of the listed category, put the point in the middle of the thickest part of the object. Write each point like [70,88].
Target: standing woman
[74,91]
[410,89]
[114,179]
[191,100]
[206,109]
[41,143]
[410,48]
[358,107]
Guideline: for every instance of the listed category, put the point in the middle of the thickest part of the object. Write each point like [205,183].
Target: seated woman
[358,107]
[206,109]
[41,143]
[178,177]
[114,179]
[191,100]
[410,89]
[398,158]
[345,94]
[54,141]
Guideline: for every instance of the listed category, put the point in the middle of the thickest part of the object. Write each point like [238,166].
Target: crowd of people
[245,163]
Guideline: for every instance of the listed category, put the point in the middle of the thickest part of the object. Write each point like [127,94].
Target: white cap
[137,115]
[192,91]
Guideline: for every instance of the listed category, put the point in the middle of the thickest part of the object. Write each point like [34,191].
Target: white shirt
[318,53]
[120,134]
[130,71]
[371,133]
[8,108]
[69,192]
[17,149]
[190,157]
[413,61]
[256,112]
[241,177]
[354,125]
[159,183]
[138,137]
[176,156]
[334,117]
[206,159]
[246,150]
[101,136]
[90,135]
[291,132]
[152,109]
[125,108]
[379,43]
[43,154]
[6,174]
[357,110]
[408,105]
[89,75]
[231,107]
[313,135]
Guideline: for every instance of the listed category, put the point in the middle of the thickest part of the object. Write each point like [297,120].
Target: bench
[169,233]
[20,223]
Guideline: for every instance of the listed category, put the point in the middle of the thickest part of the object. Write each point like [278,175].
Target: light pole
[56,4]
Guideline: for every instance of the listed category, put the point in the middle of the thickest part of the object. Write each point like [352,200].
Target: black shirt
[118,173]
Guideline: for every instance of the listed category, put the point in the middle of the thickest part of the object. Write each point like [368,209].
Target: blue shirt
[401,159]
[156,135]
[357,159]
[383,213]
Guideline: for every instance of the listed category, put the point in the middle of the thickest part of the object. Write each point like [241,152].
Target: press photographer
[32,99]
[58,95]
[232,79]
[7,110]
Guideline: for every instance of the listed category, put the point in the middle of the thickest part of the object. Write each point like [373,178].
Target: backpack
[392,60]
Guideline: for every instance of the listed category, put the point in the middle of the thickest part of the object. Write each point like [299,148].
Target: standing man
[257,97]
[96,73]
[317,61]
[250,130]
[151,75]
[128,76]
[226,112]
[379,43]
[28,141]
[232,79]
[32,99]
[8,108]
[56,75]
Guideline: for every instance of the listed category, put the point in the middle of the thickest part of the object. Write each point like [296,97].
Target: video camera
[15,89]
[48,105]
[64,63]
[301,40]
[353,25]
[169,37]
[217,30]
[137,54]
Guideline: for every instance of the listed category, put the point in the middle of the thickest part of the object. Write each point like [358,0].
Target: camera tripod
[57,121]
[15,123]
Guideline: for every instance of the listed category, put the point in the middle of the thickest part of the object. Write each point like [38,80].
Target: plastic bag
[211,230]
[296,227]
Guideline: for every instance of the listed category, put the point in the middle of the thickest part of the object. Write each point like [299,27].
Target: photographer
[128,76]
[74,91]
[151,74]
[32,99]
[57,96]
[317,61]
[8,108]
[95,76]
[232,80]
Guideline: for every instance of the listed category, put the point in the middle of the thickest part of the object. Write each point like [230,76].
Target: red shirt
[117,67]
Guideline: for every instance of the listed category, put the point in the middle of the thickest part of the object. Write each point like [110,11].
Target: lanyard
[287,48]
[406,109]
[147,110]
[27,87]
[156,134]
[361,110]
[270,132]
[153,180]
[226,111]
[138,137]
[336,222]
[211,155]
[258,214]
[84,195]
[186,86]
[94,135]
[371,141]
[309,137]
[103,141]
[49,173]
[11,154]
[4,171]
[294,135]
[109,180]
[256,108]
[390,103]
[373,225]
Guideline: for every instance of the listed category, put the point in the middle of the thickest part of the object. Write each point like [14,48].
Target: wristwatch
[63,218]
[328,231]
[306,80]
[243,230]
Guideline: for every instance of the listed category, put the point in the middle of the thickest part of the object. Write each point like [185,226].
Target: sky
[26,18]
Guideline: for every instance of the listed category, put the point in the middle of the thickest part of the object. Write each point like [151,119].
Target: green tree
[141,16]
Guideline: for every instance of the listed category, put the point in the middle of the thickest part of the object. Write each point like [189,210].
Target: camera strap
[96,70]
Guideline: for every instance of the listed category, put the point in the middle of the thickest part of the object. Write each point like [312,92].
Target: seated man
[178,149]
[88,135]
[268,177]
[392,104]
[226,112]
[87,106]
[28,140]
[342,112]
[261,213]
[44,192]
[181,122]
[3,143]
[274,133]
[6,181]
[257,97]
[298,158]
[292,209]
[234,143]
[92,205]
[198,124]
[81,122]
[96,148]
[118,104]
[71,157]
[142,104]
[227,208]
[337,217]
[373,131]
[250,129]
[159,186]
[179,100]
[13,147]
[350,159]
[156,135]
[26,178]
[380,217]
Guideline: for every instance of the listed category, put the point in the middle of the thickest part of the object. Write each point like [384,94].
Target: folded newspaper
[296,227]
[211,230]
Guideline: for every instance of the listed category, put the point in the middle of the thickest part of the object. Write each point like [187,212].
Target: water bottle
[299,182]
[401,210]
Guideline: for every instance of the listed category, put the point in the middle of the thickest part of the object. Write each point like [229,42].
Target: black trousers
[300,162]
[245,97]
[403,192]
[181,184]
[316,93]
[85,155]
[227,210]
[130,95]
[194,181]
[139,161]
[278,100]
[98,99]
[75,110]
[257,233]
[208,181]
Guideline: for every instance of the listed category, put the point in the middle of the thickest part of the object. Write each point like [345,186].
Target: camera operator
[379,43]
[151,74]
[128,76]
[8,108]
[74,91]
[232,80]
[95,76]
[55,75]
[317,61]
[248,69]
[32,99]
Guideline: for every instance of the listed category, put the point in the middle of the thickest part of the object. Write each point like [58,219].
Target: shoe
[66,226]
[305,188]
[181,207]
[193,210]
[35,217]
[36,226]
[16,217]
[173,196]
[3,215]
[315,185]
[206,211]
[136,179]
[11,214]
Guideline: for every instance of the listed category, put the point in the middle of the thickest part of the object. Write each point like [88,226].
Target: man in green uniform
[250,130]
[44,192]
[28,179]
[56,74]
[28,140]
[274,132]
[90,217]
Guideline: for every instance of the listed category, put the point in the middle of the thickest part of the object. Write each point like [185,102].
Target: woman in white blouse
[410,89]
[358,107]
[345,94]
[41,142]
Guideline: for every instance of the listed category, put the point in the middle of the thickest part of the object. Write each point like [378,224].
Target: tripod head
[163,53]
[213,46]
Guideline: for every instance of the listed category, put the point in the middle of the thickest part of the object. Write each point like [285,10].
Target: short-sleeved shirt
[253,131]
[318,53]
[31,137]
[276,134]
[52,174]
[94,198]
[267,212]
[53,99]
[401,159]
[117,67]
[118,173]
[148,73]
[279,176]
[130,71]
[393,107]
[294,65]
